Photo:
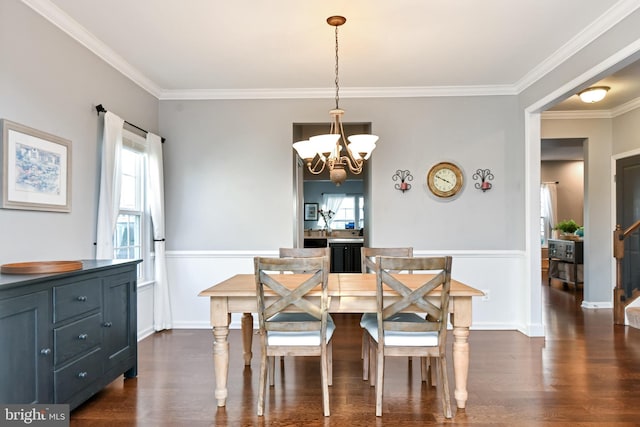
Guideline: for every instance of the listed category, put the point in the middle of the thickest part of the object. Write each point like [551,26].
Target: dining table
[348,293]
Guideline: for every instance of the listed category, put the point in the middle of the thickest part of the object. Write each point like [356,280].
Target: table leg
[220,322]
[247,337]
[461,321]
[221,362]
[461,364]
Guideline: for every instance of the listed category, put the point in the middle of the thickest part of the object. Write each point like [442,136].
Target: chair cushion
[369,318]
[303,338]
[399,338]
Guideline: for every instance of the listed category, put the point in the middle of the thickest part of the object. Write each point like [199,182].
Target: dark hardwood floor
[586,373]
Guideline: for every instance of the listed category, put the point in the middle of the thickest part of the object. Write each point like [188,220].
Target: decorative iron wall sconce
[484,175]
[403,176]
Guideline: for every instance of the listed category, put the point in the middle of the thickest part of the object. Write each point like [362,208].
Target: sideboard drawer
[76,298]
[75,377]
[76,338]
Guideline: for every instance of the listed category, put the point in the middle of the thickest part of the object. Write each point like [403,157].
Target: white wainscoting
[501,273]
[145,310]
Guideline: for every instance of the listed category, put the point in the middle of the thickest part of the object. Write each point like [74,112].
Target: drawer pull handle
[82,336]
[82,298]
[82,375]
[108,324]
[45,351]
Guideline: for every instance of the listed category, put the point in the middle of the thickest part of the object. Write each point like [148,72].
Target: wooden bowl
[40,267]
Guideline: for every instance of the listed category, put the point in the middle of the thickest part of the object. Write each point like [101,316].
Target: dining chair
[368,256]
[293,315]
[304,252]
[296,253]
[368,260]
[413,335]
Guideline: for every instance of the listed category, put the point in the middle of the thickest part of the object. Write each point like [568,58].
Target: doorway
[356,186]
[562,187]
[627,207]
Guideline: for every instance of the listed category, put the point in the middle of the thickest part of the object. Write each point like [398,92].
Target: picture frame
[310,211]
[36,169]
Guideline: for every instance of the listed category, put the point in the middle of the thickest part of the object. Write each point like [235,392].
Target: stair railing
[619,297]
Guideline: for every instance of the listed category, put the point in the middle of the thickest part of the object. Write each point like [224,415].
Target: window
[131,234]
[349,212]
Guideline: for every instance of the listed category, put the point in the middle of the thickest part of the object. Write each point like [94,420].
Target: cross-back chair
[368,265]
[368,256]
[293,315]
[295,253]
[414,335]
[304,252]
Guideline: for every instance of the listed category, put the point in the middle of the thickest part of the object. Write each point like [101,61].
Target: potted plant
[567,227]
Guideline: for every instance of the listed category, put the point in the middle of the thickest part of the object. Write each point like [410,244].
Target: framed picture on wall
[310,211]
[36,169]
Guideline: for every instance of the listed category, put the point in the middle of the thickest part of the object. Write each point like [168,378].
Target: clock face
[445,179]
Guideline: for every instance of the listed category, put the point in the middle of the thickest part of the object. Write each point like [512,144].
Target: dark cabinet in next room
[345,257]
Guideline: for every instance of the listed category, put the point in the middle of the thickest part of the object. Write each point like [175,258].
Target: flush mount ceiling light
[593,94]
[325,150]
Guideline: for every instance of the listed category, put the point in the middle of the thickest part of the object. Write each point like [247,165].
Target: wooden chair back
[368,256]
[304,253]
[290,295]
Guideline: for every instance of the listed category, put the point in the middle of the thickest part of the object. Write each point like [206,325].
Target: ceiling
[204,49]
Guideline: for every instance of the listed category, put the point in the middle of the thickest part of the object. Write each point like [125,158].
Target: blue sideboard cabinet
[64,337]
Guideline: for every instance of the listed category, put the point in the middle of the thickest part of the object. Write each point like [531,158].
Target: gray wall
[50,82]
[626,132]
[229,172]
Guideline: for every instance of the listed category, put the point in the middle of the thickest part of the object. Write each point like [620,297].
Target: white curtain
[549,202]
[332,202]
[155,179]
[109,199]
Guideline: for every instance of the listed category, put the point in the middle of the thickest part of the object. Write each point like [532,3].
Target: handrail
[631,229]
[619,297]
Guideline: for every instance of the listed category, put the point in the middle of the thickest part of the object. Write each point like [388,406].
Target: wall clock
[445,179]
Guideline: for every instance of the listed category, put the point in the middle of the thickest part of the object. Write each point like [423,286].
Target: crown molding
[57,17]
[576,114]
[607,20]
[345,92]
[626,107]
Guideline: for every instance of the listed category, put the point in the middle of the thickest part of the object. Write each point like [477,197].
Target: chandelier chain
[337,81]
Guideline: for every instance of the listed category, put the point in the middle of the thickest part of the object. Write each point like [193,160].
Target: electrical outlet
[486,295]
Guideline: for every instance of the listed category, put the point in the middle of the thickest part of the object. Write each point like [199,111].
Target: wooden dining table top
[339,284]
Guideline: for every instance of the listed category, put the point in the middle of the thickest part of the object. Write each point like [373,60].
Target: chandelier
[325,151]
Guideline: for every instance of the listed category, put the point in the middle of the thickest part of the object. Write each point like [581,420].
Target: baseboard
[592,305]
[144,334]
[196,325]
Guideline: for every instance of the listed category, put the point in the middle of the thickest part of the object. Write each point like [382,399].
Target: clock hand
[439,177]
